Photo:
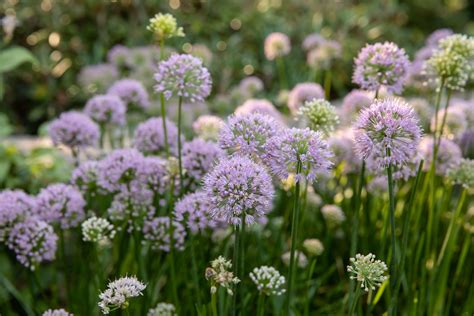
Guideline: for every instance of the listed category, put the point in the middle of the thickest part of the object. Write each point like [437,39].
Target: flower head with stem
[97,230]
[268,280]
[163,309]
[370,273]
[119,292]
[164,26]
[219,275]
[276,45]
[319,115]
[463,173]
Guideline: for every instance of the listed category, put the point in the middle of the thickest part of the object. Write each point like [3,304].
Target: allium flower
[154,173]
[33,241]
[193,210]
[319,115]
[199,157]
[449,154]
[381,64]
[378,185]
[455,122]
[84,177]
[248,133]
[97,78]
[323,56]
[466,143]
[106,109]
[333,214]
[303,92]
[202,52]
[118,55]
[156,232]
[164,26]
[15,205]
[249,86]
[261,106]
[436,36]
[75,130]
[183,76]
[132,93]
[341,143]
[295,147]
[119,292]
[313,246]
[57,312]
[312,41]
[61,203]
[353,103]
[463,173]
[238,187]
[118,169]
[208,127]
[452,63]
[163,309]
[268,280]
[368,271]
[97,230]
[388,131]
[276,45]
[149,136]
[219,275]
[301,259]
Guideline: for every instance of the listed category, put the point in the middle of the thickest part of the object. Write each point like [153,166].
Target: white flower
[97,230]
[268,280]
[313,247]
[118,292]
[218,274]
[368,271]
[163,309]
[301,259]
[333,214]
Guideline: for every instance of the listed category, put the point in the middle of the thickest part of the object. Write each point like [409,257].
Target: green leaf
[13,57]
[2,87]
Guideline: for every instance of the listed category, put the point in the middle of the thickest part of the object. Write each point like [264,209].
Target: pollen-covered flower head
[164,26]
[353,103]
[463,173]
[248,133]
[61,203]
[57,312]
[381,65]
[298,147]
[183,76]
[15,205]
[106,109]
[268,280]
[261,106]
[119,292]
[149,136]
[97,230]
[303,92]
[199,157]
[193,210]
[219,275]
[208,127]
[156,231]
[276,45]
[33,241]
[131,92]
[238,187]
[163,309]
[370,273]
[75,130]
[448,156]
[388,131]
[319,115]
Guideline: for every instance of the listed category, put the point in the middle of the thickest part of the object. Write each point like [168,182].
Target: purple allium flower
[312,41]
[276,45]
[33,241]
[183,76]
[436,36]
[381,64]
[248,133]
[156,232]
[193,210]
[149,136]
[56,312]
[341,143]
[466,143]
[387,125]
[323,56]
[199,157]
[15,205]
[303,92]
[239,187]
[155,173]
[96,78]
[400,172]
[259,106]
[353,103]
[118,55]
[132,92]
[208,127]
[85,176]
[75,130]
[449,154]
[106,109]
[118,169]
[249,86]
[298,145]
[61,203]
[131,207]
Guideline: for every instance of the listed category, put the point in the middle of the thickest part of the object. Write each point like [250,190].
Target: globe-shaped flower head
[57,312]
[276,45]
[106,109]
[157,232]
[237,188]
[199,157]
[303,92]
[381,64]
[370,273]
[353,103]
[268,280]
[448,156]
[261,106]
[149,136]
[164,26]
[298,147]
[119,292]
[319,115]
[183,76]
[208,127]
[463,173]
[75,130]
[15,205]
[193,210]
[132,92]
[388,131]
[162,309]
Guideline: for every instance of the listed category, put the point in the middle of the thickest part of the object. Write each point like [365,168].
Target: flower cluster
[97,230]
[75,130]
[313,246]
[323,55]
[261,106]
[276,45]
[164,26]
[303,92]
[84,177]
[57,312]
[249,86]
[132,92]
[319,115]
[301,260]
[15,205]
[353,103]
[199,157]
[268,280]
[118,293]
[208,127]
[341,144]
[463,173]
[96,78]
[333,214]
[106,109]
[163,309]
[149,136]
[448,155]
[193,210]
[219,275]
[368,271]
[157,232]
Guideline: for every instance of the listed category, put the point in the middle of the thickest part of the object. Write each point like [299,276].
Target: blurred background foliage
[66,35]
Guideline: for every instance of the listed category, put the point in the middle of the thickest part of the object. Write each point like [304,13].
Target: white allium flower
[368,271]
[333,214]
[163,309]
[268,280]
[119,292]
[313,246]
[301,260]
[208,127]
[97,230]
[57,312]
[219,274]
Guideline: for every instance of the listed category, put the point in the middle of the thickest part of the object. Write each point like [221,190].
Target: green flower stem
[180,105]
[394,263]
[195,271]
[214,304]
[261,304]
[235,265]
[443,121]
[165,130]
[241,274]
[356,300]
[282,73]
[308,285]
[327,84]
[294,233]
